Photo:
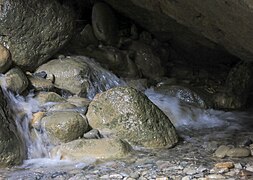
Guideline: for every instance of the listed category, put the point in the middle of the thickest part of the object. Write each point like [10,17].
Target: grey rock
[129,114]
[16,80]
[5,59]
[64,126]
[221,152]
[12,148]
[104,23]
[34,30]
[92,148]
[238,152]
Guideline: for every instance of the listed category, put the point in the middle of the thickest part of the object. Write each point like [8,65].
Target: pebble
[116,176]
[228,165]
[221,152]
[215,176]
[238,152]
[186,178]
[190,170]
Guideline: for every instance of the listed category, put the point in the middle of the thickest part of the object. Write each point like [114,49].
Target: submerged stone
[130,115]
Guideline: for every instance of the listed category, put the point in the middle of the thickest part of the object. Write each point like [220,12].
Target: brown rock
[228,165]
[5,59]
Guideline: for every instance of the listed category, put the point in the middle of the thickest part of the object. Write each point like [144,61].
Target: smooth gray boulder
[12,148]
[34,30]
[130,115]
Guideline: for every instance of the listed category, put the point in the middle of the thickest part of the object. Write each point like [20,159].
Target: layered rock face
[34,30]
[190,23]
[12,149]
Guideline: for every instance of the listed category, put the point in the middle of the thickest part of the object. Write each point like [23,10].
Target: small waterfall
[22,110]
[184,116]
[100,79]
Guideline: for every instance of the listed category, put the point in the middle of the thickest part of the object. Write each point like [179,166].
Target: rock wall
[196,22]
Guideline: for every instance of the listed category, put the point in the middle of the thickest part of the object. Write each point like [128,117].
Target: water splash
[184,116]
[100,79]
[23,109]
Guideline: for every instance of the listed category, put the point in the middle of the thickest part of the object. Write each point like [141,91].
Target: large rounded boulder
[128,114]
[79,75]
[34,30]
[12,149]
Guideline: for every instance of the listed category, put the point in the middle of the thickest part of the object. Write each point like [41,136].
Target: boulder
[196,23]
[185,94]
[47,97]
[146,60]
[40,84]
[118,61]
[130,115]
[5,59]
[81,149]
[12,148]
[64,126]
[79,75]
[16,80]
[34,30]
[104,23]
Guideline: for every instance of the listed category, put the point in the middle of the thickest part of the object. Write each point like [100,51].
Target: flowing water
[195,126]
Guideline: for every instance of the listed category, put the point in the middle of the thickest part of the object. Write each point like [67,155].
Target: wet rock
[5,59]
[40,84]
[63,106]
[64,126]
[228,165]
[147,62]
[92,134]
[94,148]
[104,23]
[79,101]
[245,173]
[16,80]
[221,152]
[36,119]
[191,23]
[129,114]
[12,149]
[118,61]
[238,152]
[184,94]
[34,30]
[224,100]
[79,75]
[139,84]
[81,40]
[45,97]
[251,149]
[215,176]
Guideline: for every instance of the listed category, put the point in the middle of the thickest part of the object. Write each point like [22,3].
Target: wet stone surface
[188,160]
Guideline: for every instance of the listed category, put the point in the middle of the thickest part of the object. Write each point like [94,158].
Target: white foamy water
[100,79]
[22,109]
[183,115]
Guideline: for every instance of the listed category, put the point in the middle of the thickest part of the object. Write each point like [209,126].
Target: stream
[201,132]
